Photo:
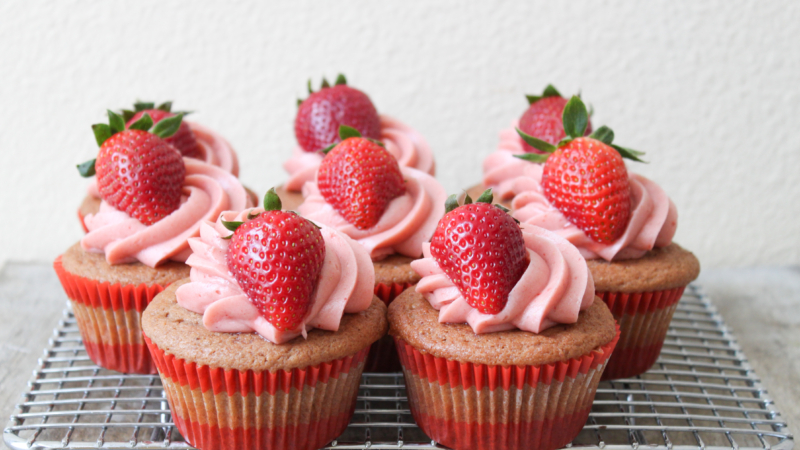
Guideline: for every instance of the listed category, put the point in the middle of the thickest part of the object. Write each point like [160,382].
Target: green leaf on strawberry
[87,169]
[549,91]
[144,123]
[272,202]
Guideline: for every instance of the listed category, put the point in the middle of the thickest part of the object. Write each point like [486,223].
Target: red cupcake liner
[109,319]
[388,292]
[643,319]
[382,356]
[479,406]
[216,408]
[83,223]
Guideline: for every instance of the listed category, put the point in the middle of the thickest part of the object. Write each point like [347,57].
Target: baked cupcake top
[153,198]
[277,274]
[581,190]
[483,269]
[361,191]
[541,120]
[317,124]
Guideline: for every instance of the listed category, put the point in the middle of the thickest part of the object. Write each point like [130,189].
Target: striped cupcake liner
[109,319]
[216,408]
[643,319]
[485,407]
[382,356]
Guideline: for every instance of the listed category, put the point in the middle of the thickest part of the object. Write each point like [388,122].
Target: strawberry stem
[271,201]
[340,79]
[346,132]
[450,204]
[144,123]
[167,127]
[536,142]
[575,117]
[486,197]
[549,91]
[87,169]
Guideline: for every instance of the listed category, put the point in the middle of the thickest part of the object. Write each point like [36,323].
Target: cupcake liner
[382,356]
[388,292]
[217,408]
[479,406]
[83,223]
[643,319]
[109,319]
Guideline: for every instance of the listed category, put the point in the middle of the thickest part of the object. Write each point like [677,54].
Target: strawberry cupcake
[191,140]
[277,312]
[502,341]
[153,200]
[316,128]
[361,190]
[542,120]
[622,223]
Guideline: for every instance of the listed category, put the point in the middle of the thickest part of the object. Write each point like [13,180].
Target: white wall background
[709,89]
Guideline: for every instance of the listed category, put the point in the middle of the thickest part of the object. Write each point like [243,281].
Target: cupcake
[191,140]
[542,120]
[317,124]
[502,341]
[361,190]
[622,223]
[263,347]
[136,245]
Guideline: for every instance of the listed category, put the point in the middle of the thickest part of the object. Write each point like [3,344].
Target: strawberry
[481,249]
[585,177]
[183,139]
[276,257]
[359,178]
[137,171]
[320,115]
[542,119]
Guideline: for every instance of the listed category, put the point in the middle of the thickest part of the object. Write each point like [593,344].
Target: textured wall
[708,89]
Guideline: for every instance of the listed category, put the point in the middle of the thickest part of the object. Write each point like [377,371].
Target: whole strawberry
[585,177]
[320,115]
[481,249]
[276,258]
[183,139]
[542,119]
[359,178]
[137,171]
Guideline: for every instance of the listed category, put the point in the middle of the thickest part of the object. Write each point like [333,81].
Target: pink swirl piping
[653,221]
[346,284]
[501,167]
[408,221]
[407,146]
[216,151]
[555,287]
[207,191]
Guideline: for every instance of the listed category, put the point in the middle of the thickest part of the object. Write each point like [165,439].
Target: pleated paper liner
[109,319]
[643,319]
[483,407]
[382,356]
[228,409]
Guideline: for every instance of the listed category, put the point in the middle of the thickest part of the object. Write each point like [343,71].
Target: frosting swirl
[555,287]
[408,221]
[207,191]
[345,284]
[407,146]
[652,223]
[501,167]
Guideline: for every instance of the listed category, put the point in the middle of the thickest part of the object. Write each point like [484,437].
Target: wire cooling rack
[701,394]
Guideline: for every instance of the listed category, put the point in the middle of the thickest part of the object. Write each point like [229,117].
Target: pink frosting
[216,151]
[404,143]
[501,167]
[653,220]
[345,285]
[555,287]
[207,191]
[408,221]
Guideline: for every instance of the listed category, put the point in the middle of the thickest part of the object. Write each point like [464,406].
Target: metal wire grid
[701,394]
